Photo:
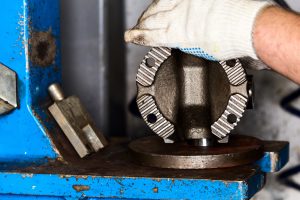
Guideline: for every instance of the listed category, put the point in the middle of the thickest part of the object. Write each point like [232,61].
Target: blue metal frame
[66,186]
[124,187]
[24,131]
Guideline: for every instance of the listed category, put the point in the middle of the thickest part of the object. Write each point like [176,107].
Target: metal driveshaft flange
[186,97]
[193,105]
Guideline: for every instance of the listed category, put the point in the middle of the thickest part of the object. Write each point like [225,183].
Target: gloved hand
[212,29]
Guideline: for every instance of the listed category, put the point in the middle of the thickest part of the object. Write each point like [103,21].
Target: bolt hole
[151,118]
[231,118]
[231,63]
[150,62]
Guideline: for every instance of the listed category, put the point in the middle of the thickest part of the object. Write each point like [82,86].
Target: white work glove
[211,29]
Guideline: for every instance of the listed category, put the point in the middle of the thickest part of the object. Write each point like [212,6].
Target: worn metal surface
[76,123]
[201,99]
[112,174]
[152,151]
[8,90]
[25,132]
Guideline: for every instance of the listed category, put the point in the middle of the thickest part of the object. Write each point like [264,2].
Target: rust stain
[81,177]
[42,48]
[155,190]
[156,179]
[65,176]
[80,188]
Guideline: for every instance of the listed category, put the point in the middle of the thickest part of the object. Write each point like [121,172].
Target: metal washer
[152,151]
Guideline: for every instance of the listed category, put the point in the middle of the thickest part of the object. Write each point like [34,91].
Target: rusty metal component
[8,90]
[194,98]
[42,48]
[152,151]
[76,123]
[114,176]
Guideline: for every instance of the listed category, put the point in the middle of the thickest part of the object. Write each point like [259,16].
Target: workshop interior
[83,115]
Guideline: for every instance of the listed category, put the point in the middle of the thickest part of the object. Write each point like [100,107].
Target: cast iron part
[183,97]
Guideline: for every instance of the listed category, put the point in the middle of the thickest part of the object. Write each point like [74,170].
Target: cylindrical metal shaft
[194,102]
[56,92]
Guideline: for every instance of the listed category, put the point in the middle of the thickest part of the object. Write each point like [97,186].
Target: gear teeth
[237,106]
[236,74]
[161,126]
[146,74]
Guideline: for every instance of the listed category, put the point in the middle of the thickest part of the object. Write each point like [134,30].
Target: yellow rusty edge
[80,188]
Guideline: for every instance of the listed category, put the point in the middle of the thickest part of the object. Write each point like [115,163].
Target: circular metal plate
[152,151]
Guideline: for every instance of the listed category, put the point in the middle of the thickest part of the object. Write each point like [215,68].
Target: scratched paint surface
[23,137]
[142,188]
[54,181]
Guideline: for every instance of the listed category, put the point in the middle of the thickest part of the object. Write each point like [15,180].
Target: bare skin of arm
[277,41]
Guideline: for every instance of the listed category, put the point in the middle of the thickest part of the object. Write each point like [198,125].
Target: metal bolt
[56,92]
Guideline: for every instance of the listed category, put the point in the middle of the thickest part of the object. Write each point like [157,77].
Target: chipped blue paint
[267,163]
[24,197]
[23,132]
[126,187]
[55,186]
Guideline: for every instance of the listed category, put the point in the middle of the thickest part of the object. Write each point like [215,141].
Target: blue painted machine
[41,150]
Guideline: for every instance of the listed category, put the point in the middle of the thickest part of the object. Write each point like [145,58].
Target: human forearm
[276,39]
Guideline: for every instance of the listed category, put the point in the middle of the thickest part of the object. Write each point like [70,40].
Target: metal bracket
[76,123]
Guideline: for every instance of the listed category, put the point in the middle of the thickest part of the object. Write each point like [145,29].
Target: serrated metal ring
[162,127]
[146,74]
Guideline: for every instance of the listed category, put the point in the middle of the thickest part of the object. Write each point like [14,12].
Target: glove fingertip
[128,36]
[137,37]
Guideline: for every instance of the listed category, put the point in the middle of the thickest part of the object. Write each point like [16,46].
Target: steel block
[76,123]
[8,90]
